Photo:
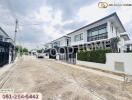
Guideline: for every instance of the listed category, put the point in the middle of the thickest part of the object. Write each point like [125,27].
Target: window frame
[78,37]
[99,35]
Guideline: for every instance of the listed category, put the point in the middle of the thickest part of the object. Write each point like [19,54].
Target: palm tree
[114,43]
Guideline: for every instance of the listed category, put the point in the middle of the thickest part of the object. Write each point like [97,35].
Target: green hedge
[98,56]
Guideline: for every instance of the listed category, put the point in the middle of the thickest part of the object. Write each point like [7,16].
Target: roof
[5,44]
[125,36]
[111,15]
[7,36]
[4,32]
[59,38]
[128,42]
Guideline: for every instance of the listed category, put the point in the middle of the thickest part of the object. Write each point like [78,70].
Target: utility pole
[16,28]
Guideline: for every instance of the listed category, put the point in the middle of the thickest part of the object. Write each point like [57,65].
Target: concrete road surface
[57,81]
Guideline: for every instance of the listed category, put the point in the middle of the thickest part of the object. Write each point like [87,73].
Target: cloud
[54,19]
[6,20]
[45,20]
[91,13]
[69,7]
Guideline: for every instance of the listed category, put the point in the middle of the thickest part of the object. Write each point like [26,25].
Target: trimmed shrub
[98,56]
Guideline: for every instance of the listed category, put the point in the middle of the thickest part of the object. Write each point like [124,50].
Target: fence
[117,62]
[4,53]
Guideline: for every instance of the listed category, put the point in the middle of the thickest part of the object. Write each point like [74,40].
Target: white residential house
[96,35]
[61,42]
[46,48]
[99,34]
[107,32]
[102,30]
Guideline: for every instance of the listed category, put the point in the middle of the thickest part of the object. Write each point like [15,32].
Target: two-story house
[61,42]
[99,34]
[57,44]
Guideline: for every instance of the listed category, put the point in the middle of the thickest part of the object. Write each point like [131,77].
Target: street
[57,81]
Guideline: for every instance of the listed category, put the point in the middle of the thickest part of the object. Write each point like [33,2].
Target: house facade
[100,34]
[7,51]
[61,42]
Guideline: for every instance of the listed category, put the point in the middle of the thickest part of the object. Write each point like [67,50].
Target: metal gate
[72,58]
[6,50]
[68,56]
[4,53]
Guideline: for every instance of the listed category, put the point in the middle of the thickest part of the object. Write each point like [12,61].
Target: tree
[21,50]
[25,50]
[40,50]
[114,43]
[18,48]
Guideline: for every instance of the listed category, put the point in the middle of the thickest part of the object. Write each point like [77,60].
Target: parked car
[40,55]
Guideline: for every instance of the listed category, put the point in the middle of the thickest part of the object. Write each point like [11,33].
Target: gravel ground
[57,81]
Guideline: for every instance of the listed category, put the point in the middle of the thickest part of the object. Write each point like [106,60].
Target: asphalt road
[57,81]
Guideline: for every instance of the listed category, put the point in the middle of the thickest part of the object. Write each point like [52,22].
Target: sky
[41,21]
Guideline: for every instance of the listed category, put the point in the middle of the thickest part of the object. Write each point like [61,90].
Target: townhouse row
[107,32]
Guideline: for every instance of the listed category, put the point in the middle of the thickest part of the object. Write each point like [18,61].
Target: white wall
[111,58]
[126,58]
[92,64]
[46,55]
[62,40]
[3,34]
[121,44]
[10,56]
[109,29]
[73,42]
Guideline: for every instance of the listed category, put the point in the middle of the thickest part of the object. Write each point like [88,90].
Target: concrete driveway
[57,81]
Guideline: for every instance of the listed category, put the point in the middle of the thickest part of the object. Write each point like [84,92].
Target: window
[103,30]
[81,36]
[112,28]
[68,41]
[1,38]
[97,33]
[94,33]
[78,37]
[56,44]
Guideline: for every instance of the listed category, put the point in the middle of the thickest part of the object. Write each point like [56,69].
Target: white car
[40,55]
